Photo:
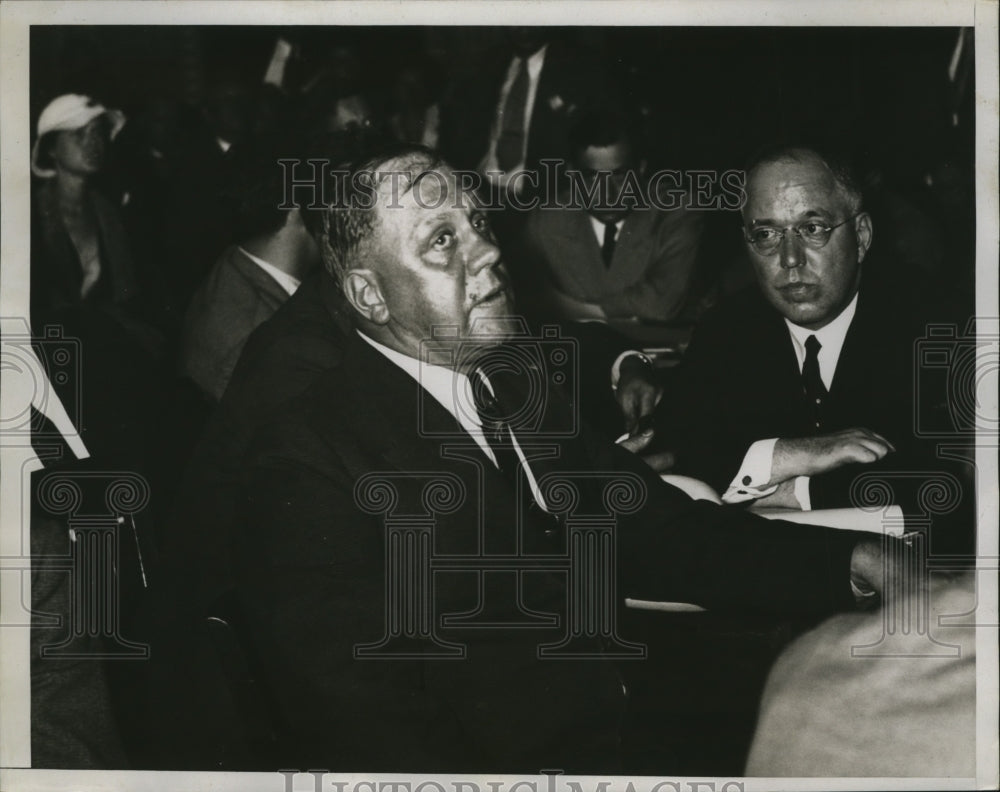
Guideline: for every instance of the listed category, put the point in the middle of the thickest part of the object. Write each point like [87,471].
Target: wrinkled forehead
[805,184]
[417,182]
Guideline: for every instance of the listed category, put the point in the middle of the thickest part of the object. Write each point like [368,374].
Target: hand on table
[810,456]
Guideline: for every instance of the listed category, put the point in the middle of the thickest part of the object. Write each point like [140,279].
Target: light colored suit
[652,272]
[235,298]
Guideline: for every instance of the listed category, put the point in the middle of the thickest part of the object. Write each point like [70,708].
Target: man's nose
[485,255]
[791,253]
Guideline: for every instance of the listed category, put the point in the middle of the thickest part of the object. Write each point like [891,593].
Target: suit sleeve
[723,558]
[695,419]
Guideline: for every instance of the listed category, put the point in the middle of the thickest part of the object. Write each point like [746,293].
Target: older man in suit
[792,389]
[425,396]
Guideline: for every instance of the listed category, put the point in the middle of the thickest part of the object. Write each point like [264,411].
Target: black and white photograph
[499,397]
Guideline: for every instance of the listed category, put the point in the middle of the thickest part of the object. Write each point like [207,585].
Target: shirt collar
[831,338]
[287,282]
[598,227]
[450,388]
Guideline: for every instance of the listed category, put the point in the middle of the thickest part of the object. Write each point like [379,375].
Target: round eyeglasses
[814,233]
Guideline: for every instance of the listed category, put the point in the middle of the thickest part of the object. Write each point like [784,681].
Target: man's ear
[863,230]
[362,290]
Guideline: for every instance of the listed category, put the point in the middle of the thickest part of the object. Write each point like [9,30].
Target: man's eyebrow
[767,221]
[428,221]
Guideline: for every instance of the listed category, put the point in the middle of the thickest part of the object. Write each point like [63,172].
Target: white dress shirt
[751,480]
[453,391]
[490,165]
[287,282]
[598,227]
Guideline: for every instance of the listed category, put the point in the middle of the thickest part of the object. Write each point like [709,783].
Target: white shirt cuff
[616,367]
[801,492]
[750,482]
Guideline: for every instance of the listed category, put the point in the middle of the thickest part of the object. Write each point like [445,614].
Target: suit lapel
[632,248]
[403,420]
[781,377]
[859,363]
[577,243]
[409,431]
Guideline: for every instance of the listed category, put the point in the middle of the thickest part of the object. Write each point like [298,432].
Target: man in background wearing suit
[251,279]
[533,89]
[422,274]
[601,256]
[789,390]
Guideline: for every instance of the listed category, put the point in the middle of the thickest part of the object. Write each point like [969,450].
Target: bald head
[809,236]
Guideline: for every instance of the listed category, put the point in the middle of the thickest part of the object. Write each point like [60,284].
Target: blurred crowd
[162,231]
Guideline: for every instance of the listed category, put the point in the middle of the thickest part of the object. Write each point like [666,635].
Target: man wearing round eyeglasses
[807,237]
[789,391]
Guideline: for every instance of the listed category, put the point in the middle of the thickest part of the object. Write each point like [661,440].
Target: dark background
[709,97]
[712,94]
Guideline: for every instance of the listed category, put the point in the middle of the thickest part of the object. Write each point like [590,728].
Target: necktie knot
[813,346]
[495,426]
[490,412]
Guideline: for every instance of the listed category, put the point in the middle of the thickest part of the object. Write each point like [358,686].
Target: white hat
[68,112]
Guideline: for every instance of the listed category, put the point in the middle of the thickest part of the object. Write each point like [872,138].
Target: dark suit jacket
[570,81]
[280,360]
[652,271]
[283,357]
[234,299]
[739,382]
[311,575]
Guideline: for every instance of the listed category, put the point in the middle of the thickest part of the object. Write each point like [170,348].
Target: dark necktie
[496,430]
[812,383]
[608,248]
[510,144]
[543,527]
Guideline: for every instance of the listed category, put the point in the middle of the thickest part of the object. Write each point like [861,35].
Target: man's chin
[494,321]
[804,314]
